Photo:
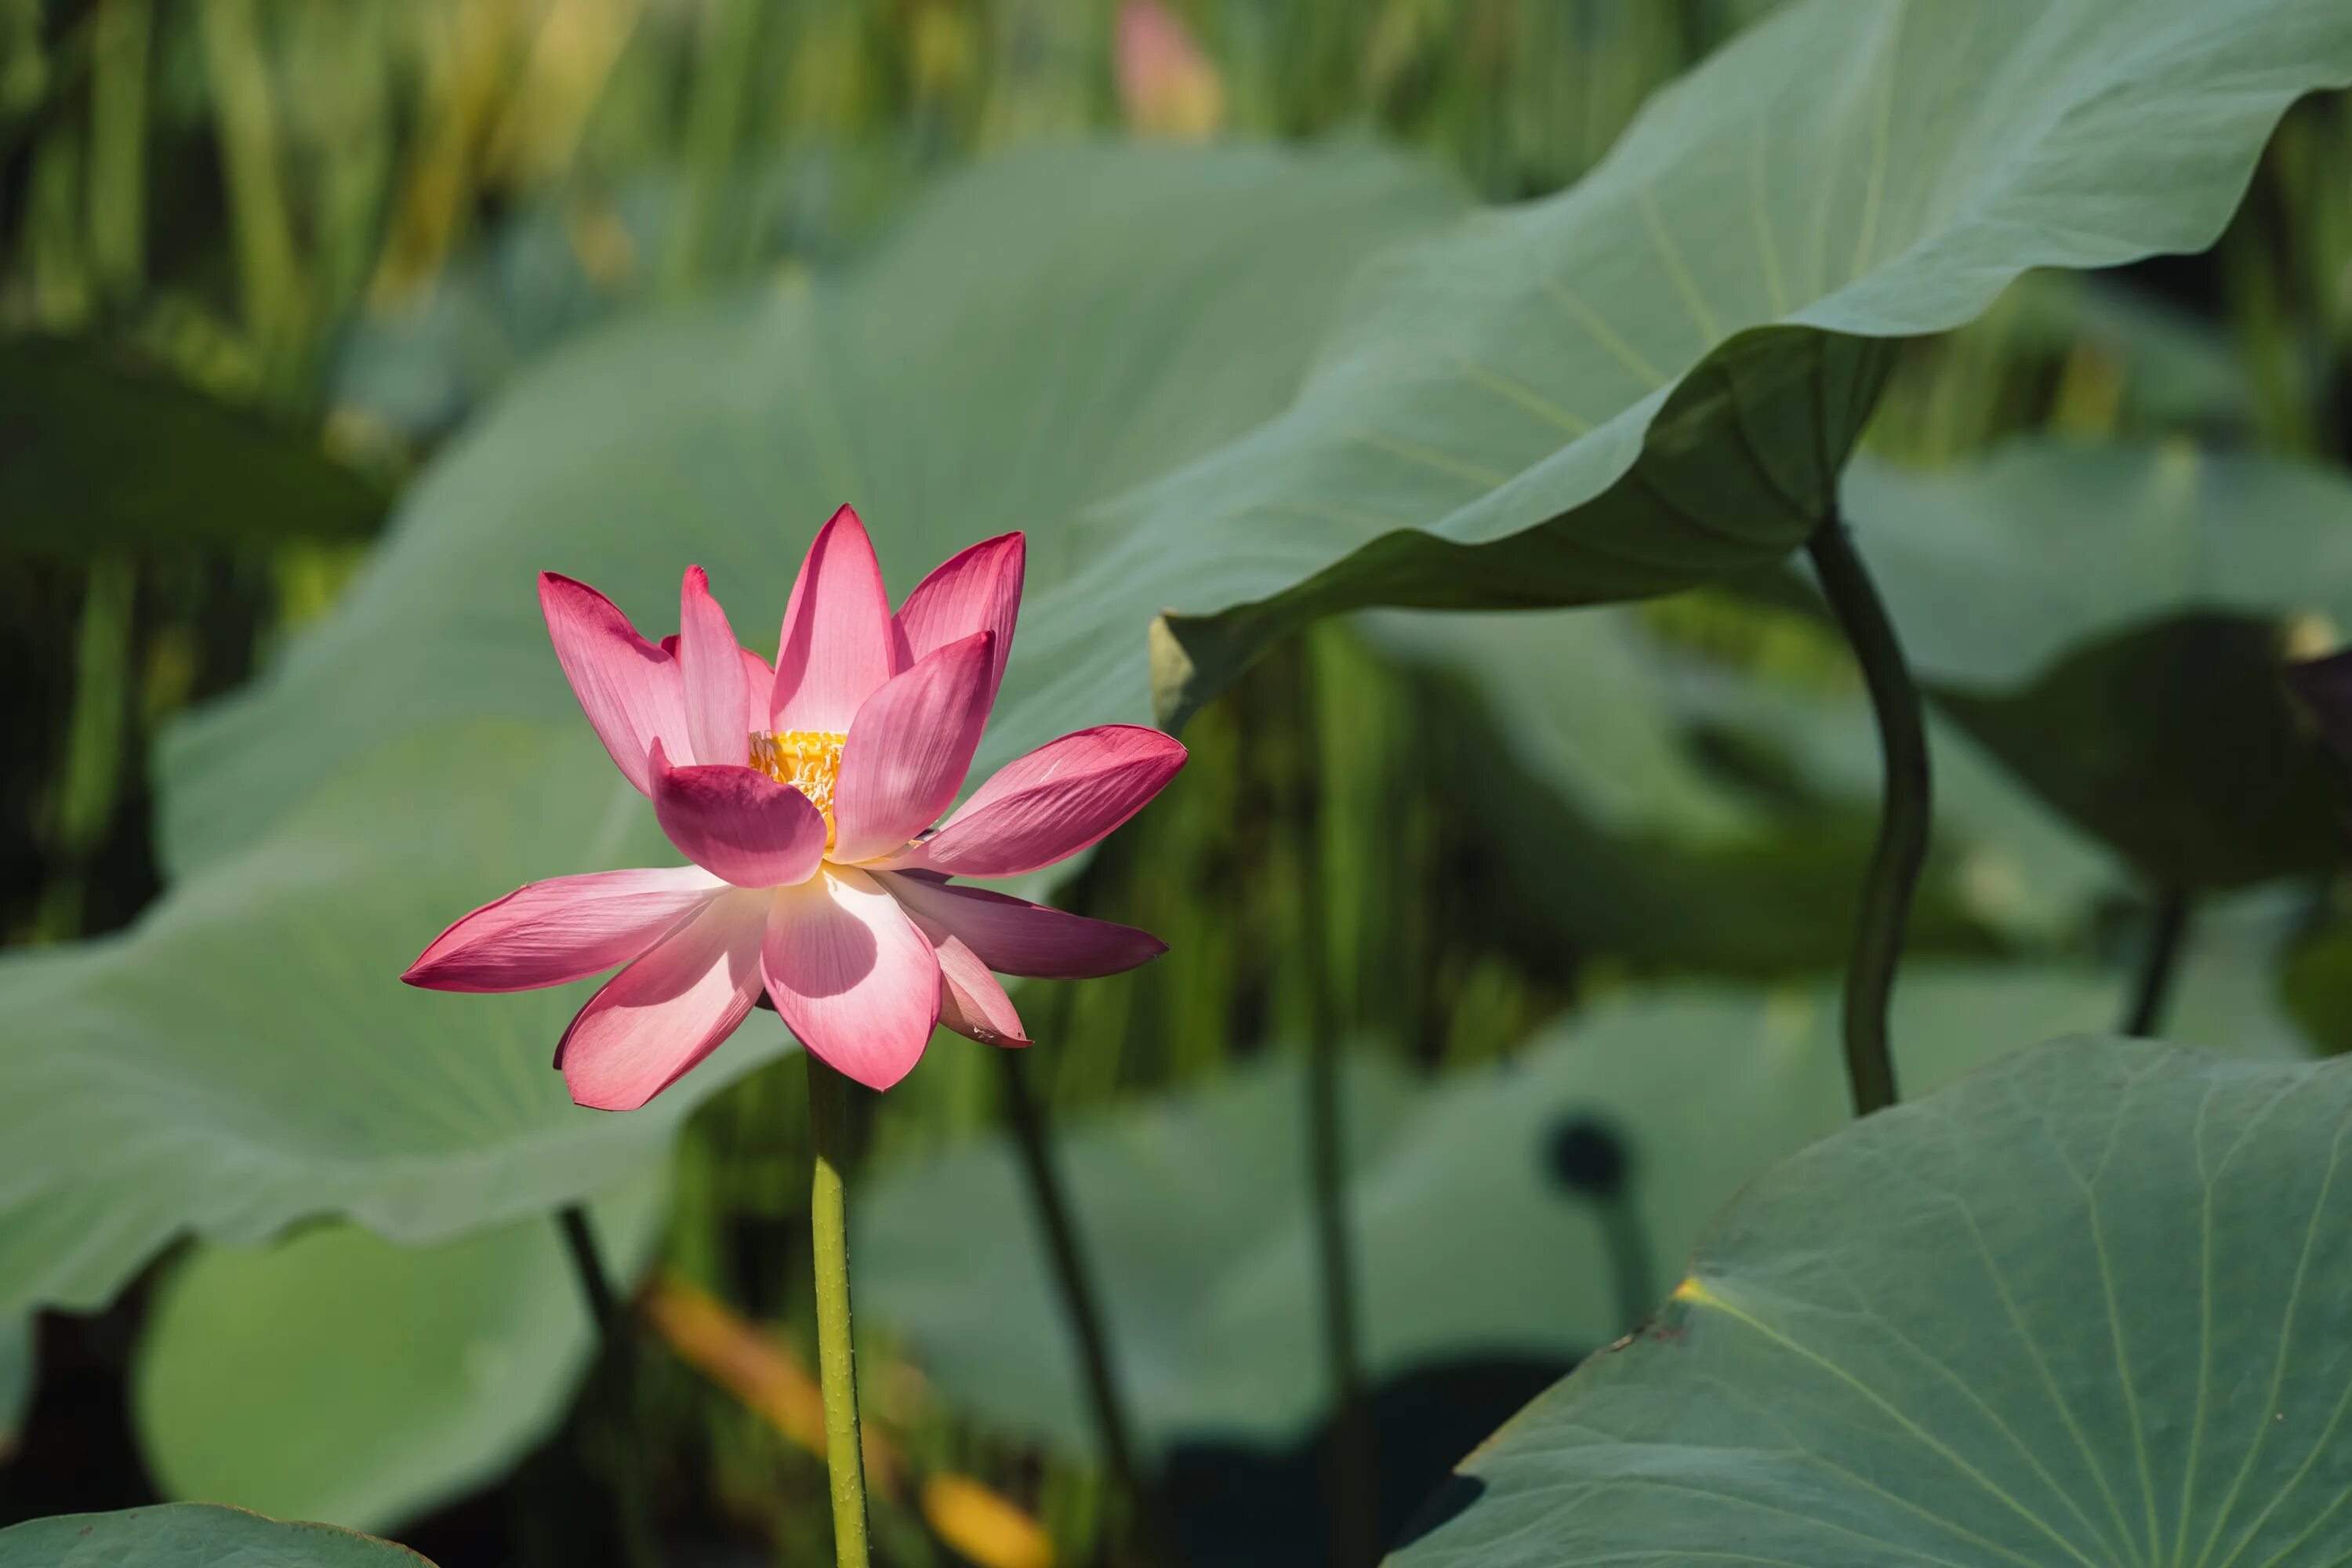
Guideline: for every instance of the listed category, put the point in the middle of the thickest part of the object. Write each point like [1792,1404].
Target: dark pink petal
[563,929]
[975,590]
[758,680]
[910,748]
[1050,803]
[1014,936]
[851,975]
[971,1003]
[738,823]
[628,688]
[712,668]
[840,642]
[669,1009]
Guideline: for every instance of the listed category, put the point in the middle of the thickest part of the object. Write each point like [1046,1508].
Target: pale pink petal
[1050,803]
[971,1003]
[628,688]
[910,748]
[738,823]
[563,929]
[669,1009]
[975,590]
[840,642]
[759,681]
[1014,936]
[851,975]
[711,667]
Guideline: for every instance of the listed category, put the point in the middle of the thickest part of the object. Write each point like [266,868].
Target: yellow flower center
[807,759]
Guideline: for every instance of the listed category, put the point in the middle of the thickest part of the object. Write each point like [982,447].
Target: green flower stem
[1904,820]
[844,1456]
[617,1358]
[2154,989]
[1080,1304]
[1353,1477]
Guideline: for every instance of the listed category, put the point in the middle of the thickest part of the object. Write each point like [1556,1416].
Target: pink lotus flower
[805,798]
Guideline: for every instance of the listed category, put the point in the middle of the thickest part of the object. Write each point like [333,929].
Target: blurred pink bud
[1166,85]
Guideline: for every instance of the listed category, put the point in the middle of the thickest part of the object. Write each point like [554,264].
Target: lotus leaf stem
[617,1359]
[1904,818]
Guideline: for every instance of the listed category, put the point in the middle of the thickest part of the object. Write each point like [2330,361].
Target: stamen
[807,759]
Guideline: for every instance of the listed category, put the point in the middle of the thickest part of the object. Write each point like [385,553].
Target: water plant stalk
[1353,1477]
[1081,1305]
[617,1361]
[2153,990]
[1905,815]
[845,1456]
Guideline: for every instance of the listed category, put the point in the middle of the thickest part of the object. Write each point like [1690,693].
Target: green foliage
[2177,744]
[2079,1307]
[337,1376]
[1650,380]
[192,1535]
[16,1378]
[1038,334]
[1172,1200]
[2315,985]
[1034,337]
[2110,621]
[249,1057]
[1173,369]
[1610,724]
[1472,1239]
[98,453]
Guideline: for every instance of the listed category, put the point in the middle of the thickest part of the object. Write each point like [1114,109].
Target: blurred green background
[262,259]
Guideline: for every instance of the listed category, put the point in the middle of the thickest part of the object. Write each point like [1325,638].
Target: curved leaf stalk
[1089,1324]
[2153,992]
[1904,818]
[617,1359]
[1352,1480]
[836,1361]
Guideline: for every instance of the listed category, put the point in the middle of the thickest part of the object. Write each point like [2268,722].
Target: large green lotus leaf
[337,1376]
[2102,623]
[1569,858]
[1170,1199]
[1036,335]
[2107,621]
[1593,706]
[100,452]
[2080,1308]
[247,1056]
[2018,865]
[1994,571]
[1471,1240]
[1582,701]
[1649,380]
[1607,831]
[192,1535]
